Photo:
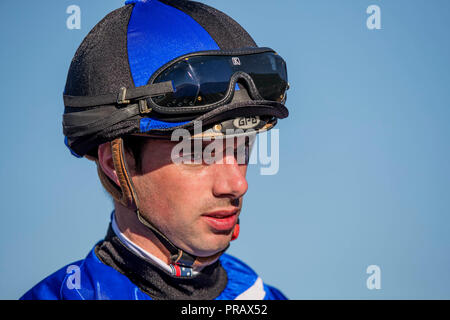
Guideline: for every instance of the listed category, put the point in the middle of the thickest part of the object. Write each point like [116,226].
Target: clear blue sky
[364,173]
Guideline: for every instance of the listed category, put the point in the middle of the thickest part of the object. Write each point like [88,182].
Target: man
[147,73]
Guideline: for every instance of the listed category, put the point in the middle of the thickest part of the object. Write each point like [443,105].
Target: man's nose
[230,178]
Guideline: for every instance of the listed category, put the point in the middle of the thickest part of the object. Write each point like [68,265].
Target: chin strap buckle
[181,271]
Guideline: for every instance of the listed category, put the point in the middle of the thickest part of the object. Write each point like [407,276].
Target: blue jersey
[91,279]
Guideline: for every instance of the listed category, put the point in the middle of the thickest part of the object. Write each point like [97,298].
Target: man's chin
[213,247]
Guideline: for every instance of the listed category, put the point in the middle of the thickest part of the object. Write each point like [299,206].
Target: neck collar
[151,277]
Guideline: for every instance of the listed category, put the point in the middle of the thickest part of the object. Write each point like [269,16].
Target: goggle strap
[124,96]
[77,124]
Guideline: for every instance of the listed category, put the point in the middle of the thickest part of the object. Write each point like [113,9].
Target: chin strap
[182,263]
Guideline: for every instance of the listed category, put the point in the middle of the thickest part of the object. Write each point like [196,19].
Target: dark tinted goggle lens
[204,80]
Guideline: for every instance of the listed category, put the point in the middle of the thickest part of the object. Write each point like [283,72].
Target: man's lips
[221,213]
[221,220]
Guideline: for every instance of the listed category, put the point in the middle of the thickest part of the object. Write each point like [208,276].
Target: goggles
[204,80]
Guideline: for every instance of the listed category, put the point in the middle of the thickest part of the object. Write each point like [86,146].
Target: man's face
[195,205]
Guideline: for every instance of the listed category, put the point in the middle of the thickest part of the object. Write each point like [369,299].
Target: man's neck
[130,226]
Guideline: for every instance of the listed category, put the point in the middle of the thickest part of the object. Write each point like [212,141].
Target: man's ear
[106,162]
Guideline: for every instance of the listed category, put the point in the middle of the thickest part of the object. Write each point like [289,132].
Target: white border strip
[255,292]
